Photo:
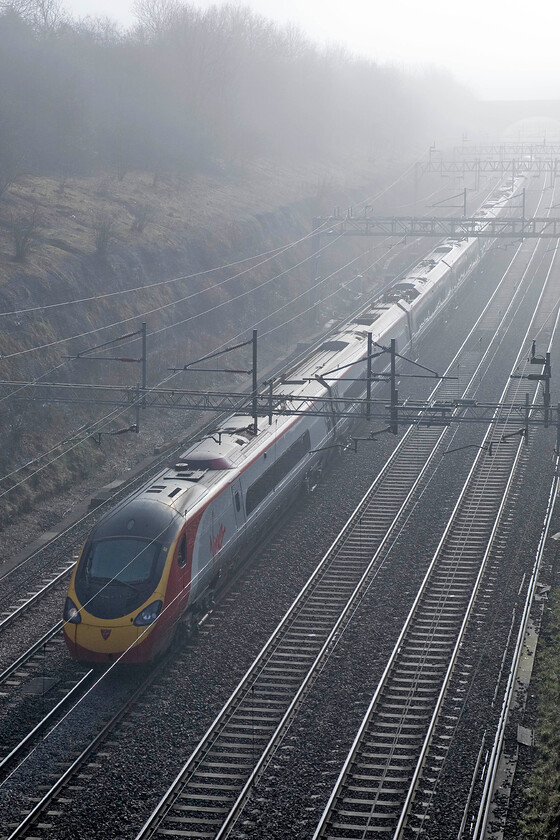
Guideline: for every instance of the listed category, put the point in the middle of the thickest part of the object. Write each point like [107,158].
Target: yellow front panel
[108,636]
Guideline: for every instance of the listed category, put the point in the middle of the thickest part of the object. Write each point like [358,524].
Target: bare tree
[25,231]
[43,15]
[142,214]
[188,89]
[104,231]
[156,16]
[100,29]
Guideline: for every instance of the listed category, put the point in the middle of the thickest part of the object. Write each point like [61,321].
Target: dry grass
[190,225]
[68,209]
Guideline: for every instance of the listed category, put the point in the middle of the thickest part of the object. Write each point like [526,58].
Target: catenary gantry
[440,226]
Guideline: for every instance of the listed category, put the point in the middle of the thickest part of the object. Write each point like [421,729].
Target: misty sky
[495,47]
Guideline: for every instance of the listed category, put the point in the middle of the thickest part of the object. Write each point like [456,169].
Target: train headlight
[71,612]
[148,614]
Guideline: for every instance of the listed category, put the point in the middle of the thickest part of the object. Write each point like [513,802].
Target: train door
[239,514]
[332,416]
[183,570]
[333,394]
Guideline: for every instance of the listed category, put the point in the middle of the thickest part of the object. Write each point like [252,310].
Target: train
[152,563]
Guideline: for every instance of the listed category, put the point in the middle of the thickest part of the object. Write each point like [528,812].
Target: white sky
[501,49]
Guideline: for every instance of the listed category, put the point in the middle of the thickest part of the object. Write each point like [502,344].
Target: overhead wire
[94,428]
[146,629]
[272,330]
[249,291]
[113,414]
[77,438]
[25,385]
[269,255]
[280,309]
[143,631]
[123,321]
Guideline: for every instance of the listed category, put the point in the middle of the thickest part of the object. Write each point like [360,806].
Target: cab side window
[182,551]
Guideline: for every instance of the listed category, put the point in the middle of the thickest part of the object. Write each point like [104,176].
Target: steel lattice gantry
[501,165]
[518,150]
[424,413]
[474,226]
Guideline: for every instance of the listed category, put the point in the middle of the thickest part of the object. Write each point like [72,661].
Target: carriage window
[266,483]
[182,552]
[237,502]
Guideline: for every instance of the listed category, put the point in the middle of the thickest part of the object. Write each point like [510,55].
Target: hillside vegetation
[186,90]
[141,175]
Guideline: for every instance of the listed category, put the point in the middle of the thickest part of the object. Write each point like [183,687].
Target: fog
[185,88]
[496,49]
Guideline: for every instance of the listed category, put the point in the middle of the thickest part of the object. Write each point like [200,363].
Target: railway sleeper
[289,669]
[269,697]
[212,776]
[181,820]
[201,785]
[411,656]
[352,800]
[432,606]
[337,589]
[253,716]
[425,650]
[396,752]
[276,689]
[249,729]
[390,774]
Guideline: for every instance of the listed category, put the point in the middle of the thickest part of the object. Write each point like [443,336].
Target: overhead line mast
[442,227]
[392,413]
[396,414]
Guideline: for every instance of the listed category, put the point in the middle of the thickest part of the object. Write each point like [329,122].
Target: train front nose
[105,641]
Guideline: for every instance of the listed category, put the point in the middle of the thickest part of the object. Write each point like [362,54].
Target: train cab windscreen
[122,560]
[112,565]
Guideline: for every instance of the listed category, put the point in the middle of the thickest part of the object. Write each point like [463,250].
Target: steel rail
[15,666]
[53,794]
[33,599]
[460,636]
[492,765]
[322,829]
[30,819]
[236,809]
[51,715]
[124,487]
[397,656]
[189,771]
[497,746]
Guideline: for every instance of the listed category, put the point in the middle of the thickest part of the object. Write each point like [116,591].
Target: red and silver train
[152,560]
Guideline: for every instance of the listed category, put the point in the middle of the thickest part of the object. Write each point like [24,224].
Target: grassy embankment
[156,229]
[541,818]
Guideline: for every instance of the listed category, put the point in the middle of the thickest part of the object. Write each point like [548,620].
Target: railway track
[502,760]
[32,699]
[50,561]
[212,788]
[73,767]
[266,713]
[387,784]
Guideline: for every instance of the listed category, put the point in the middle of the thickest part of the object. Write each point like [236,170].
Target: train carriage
[151,562]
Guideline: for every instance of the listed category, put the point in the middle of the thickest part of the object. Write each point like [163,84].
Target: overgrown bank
[169,174]
[217,258]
